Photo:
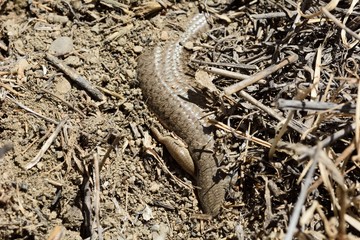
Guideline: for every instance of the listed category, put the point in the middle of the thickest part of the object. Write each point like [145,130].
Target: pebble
[128,106]
[73,61]
[164,36]
[62,86]
[189,45]
[130,73]
[138,49]
[154,187]
[19,46]
[61,46]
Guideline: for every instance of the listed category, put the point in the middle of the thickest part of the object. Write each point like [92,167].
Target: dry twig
[315,106]
[76,78]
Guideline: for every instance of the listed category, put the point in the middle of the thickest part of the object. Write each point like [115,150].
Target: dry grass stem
[97,192]
[260,75]
[45,147]
[31,111]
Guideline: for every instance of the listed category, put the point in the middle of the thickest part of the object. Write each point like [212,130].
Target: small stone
[59,154]
[130,73]
[128,106]
[61,46]
[189,45]
[164,36]
[52,215]
[20,68]
[252,88]
[54,18]
[19,46]
[262,82]
[40,165]
[182,215]
[138,49]
[154,187]
[159,231]
[131,180]
[95,28]
[139,142]
[62,86]
[147,213]
[122,42]
[105,185]
[73,61]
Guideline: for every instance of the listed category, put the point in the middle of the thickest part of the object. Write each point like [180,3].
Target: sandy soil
[135,195]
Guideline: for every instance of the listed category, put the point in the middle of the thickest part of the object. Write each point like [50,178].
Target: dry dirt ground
[54,134]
